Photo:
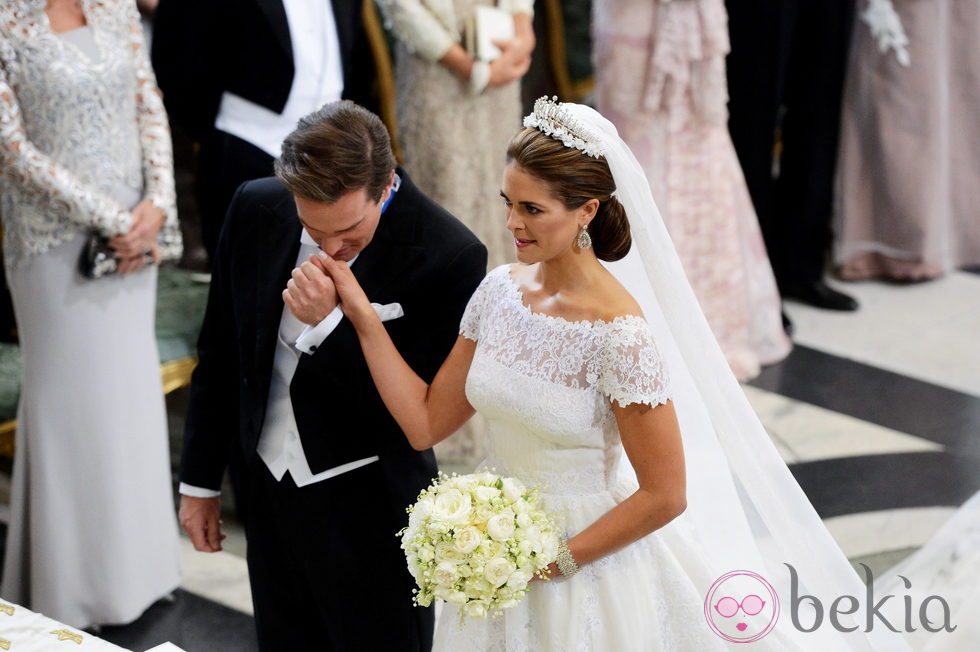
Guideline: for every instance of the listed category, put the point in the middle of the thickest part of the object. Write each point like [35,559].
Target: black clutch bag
[98,260]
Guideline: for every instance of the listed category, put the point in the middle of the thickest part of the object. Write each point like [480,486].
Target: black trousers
[786,67]
[225,163]
[326,568]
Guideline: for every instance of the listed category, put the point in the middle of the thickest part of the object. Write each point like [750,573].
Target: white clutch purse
[484,26]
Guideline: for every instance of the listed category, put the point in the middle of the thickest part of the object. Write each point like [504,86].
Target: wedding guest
[327,469]
[85,152]
[910,143]
[237,76]
[786,72]
[660,75]
[456,114]
[455,117]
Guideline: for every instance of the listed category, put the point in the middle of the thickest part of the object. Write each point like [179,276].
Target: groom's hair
[338,148]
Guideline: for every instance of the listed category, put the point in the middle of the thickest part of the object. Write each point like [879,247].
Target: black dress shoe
[820,295]
[787,324]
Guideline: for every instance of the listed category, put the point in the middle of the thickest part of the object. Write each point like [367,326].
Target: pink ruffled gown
[660,72]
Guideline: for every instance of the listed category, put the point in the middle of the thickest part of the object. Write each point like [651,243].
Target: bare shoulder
[613,300]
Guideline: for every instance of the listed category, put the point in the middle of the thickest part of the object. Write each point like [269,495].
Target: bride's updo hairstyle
[573,179]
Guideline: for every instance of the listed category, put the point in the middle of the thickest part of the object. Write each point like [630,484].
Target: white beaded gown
[546,386]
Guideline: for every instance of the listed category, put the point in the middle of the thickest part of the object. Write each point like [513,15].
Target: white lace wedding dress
[545,386]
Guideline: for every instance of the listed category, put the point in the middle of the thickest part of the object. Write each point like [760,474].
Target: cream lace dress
[545,386]
[454,142]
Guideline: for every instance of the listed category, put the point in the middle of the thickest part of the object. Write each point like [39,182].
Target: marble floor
[877,414]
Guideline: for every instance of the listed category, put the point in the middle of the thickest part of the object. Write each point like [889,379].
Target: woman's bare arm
[652,439]
[426,413]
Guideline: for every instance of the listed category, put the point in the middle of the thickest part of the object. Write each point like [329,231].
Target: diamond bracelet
[565,562]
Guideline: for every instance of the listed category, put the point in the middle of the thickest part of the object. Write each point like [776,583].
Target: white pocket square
[388,311]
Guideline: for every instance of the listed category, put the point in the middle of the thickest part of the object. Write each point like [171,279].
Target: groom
[328,472]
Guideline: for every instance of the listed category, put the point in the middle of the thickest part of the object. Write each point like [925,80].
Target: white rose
[521,506]
[525,547]
[512,489]
[426,553]
[414,569]
[438,528]
[498,571]
[482,513]
[501,526]
[486,494]
[445,574]
[532,535]
[492,549]
[507,604]
[519,579]
[408,536]
[465,483]
[442,593]
[456,597]
[524,520]
[446,551]
[478,587]
[452,506]
[467,539]
[549,547]
[476,609]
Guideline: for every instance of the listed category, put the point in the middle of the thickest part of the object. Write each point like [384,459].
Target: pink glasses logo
[741,607]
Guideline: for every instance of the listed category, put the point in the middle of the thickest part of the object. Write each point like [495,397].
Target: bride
[601,382]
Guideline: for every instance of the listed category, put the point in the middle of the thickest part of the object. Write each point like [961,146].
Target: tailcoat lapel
[281,241]
[275,12]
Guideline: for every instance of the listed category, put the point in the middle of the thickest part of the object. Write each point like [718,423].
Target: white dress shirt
[279,444]
[318,78]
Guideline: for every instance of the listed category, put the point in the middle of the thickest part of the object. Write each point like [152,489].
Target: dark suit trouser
[225,162]
[792,55]
[325,566]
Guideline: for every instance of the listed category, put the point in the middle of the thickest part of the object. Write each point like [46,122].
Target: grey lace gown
[92,537]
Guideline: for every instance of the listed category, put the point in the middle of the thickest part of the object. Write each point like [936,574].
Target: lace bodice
[72,129]
[546,386]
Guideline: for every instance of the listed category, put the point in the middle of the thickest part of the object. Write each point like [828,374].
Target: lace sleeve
[422,31]
[158,159]
[22,163]
[469,325]
[632,369]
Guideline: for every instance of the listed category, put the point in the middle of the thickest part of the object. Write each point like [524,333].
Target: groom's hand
[201,520]
[310,294]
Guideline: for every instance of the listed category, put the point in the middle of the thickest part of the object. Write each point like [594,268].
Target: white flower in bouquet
[477,541]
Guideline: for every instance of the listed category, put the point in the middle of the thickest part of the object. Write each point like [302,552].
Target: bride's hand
[553,573]
[355,304]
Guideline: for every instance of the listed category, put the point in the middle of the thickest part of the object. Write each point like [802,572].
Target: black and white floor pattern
[877,414]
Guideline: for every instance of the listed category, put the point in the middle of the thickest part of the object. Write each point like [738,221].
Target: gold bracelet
[565,561]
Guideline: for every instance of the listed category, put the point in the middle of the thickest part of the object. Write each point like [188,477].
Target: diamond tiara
[552,118]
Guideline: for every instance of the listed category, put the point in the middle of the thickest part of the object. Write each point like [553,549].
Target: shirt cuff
[313,336]
[197,492]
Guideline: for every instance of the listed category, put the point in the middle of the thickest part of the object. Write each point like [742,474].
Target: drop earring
[584,239]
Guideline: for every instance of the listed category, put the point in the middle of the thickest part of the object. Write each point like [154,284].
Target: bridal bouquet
[476,541]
